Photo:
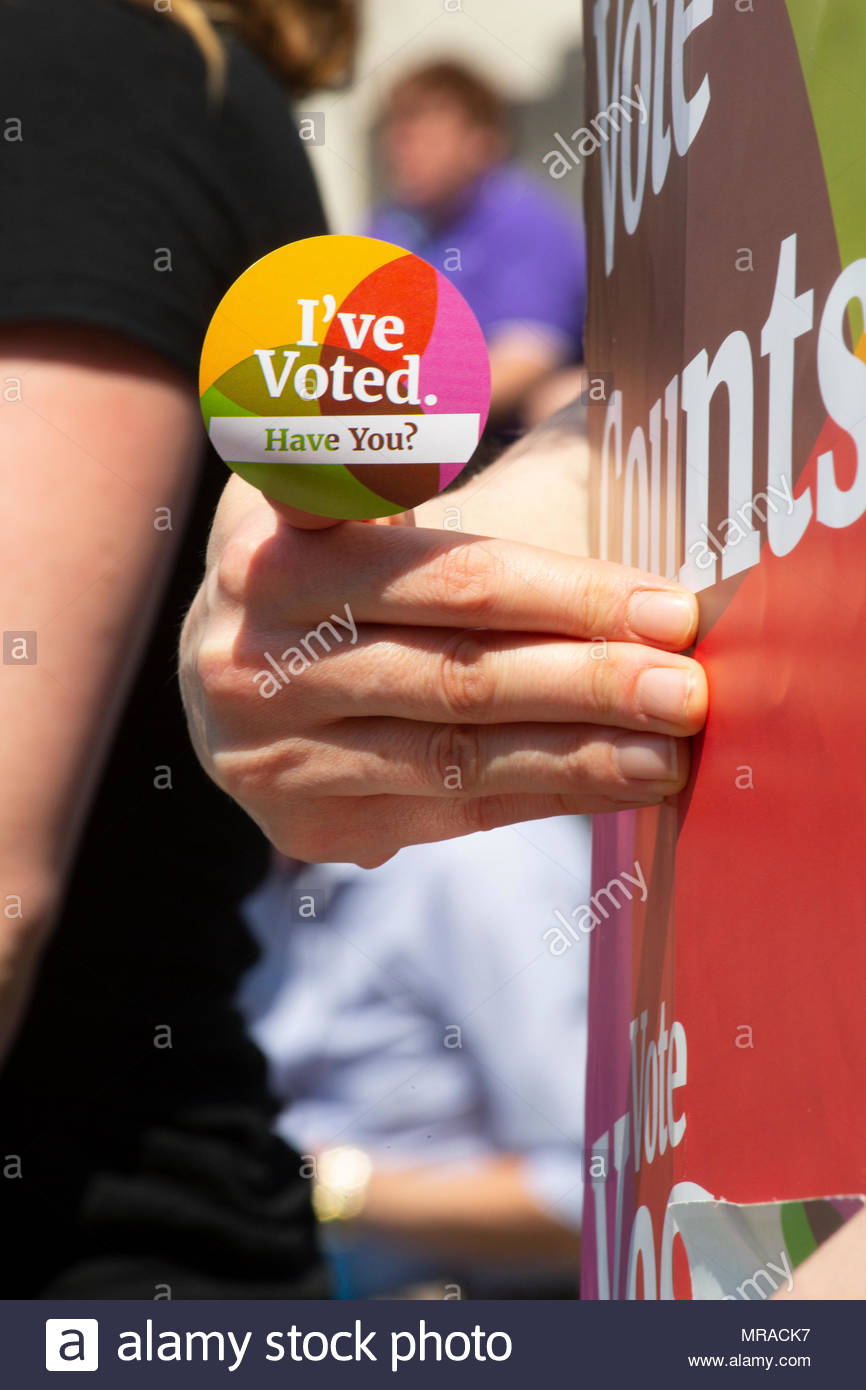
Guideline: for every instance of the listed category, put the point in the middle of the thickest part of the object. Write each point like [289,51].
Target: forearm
[105,438]
[486,1212]
[536,492]
[28,906]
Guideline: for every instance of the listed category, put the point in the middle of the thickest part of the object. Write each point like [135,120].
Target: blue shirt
[514,252]
[422,1015]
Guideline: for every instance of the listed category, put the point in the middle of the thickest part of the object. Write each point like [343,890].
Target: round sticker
[346,377]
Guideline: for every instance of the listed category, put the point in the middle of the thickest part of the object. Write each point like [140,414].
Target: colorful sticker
[346,377]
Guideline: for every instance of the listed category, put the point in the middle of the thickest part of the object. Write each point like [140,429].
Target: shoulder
[123,72]
[91,55]
[137,199]
[520,201]
[113,74]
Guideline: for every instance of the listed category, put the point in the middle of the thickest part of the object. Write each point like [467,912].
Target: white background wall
[520,44]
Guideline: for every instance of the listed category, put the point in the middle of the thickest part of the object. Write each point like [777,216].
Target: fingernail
[663,693]
[660,615]
[647,757]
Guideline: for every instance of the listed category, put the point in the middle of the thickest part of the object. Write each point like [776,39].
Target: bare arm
[104,433]
[537,492]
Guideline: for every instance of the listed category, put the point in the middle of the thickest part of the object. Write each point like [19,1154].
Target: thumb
[304,521]
[308,521]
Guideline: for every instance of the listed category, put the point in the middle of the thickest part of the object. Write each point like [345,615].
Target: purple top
[514,252]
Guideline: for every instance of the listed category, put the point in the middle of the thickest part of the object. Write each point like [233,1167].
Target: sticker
[346,377]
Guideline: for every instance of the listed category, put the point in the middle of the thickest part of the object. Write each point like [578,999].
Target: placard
[727,235]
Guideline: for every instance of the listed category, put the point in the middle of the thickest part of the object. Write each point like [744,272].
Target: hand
[457,683]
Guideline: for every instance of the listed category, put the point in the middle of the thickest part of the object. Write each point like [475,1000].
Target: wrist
[536,492]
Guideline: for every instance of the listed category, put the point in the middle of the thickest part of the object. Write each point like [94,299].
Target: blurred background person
[429,1047]
[512,248]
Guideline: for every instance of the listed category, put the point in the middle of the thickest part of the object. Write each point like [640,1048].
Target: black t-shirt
[133,1104]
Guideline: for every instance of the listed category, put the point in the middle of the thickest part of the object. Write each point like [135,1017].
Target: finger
[485,678]
[406,518]
[309,521]
[303,521]
[402,758]
[423,578]
[376,827]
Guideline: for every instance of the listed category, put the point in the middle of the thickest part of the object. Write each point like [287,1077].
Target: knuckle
[577,763]
[487,813]
[262,562]
[593,599]
[604,687]
[453,757]
[267,783]
[467,684]
[277,773]
[466,580]
[233,569]
[491,812]
[214,670]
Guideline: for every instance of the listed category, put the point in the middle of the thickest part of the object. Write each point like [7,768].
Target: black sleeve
[129,200]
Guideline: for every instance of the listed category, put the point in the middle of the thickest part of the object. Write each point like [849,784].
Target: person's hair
[309,43]
[447,81]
